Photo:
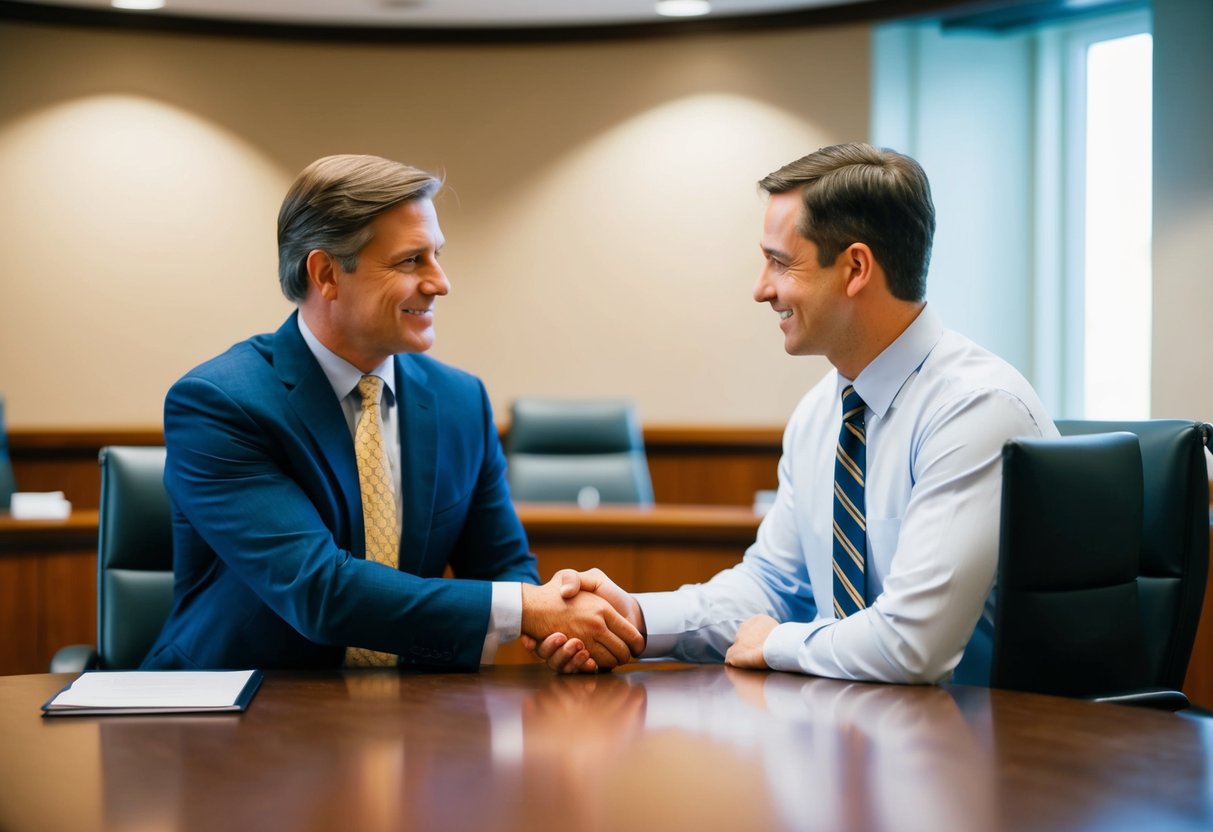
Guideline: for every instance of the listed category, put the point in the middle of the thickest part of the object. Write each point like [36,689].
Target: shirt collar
[879,383]
[342,375]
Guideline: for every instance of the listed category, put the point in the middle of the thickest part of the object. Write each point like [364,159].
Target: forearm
[699,622]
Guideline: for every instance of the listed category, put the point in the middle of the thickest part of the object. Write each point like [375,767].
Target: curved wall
[600,212]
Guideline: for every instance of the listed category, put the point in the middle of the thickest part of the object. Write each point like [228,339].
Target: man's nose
[764,292]
[436,283]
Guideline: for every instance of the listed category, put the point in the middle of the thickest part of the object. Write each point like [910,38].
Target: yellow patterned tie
[378,503]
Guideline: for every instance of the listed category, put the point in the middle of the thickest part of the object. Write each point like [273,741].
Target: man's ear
[859,267]
[322,273]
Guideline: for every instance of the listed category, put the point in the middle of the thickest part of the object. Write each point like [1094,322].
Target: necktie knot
[852,406]
[370,387]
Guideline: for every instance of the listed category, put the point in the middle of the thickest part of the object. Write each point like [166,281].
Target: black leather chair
[1103,560]
[557,448]
[134,562]
[7,484]
[1175,535]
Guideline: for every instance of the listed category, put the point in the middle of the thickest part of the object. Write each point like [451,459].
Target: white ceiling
[444,13]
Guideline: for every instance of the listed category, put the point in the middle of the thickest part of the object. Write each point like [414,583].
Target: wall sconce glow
[683,8]
[138,5]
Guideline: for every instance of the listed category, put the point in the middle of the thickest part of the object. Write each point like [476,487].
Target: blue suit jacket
[267,518]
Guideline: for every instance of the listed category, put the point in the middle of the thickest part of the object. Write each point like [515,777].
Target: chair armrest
[74,658]
[1162,699]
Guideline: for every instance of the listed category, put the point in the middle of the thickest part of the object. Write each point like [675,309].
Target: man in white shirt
[890,581]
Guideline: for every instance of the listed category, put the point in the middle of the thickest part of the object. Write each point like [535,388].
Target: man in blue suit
[270,547]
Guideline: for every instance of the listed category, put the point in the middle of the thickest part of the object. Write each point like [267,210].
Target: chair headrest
[545,426]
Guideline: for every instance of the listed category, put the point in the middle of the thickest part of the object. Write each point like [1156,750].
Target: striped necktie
[378,503]
[850,523]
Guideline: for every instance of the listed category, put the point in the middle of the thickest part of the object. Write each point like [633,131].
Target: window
[1116,246]
[1037,140]
[1106,302]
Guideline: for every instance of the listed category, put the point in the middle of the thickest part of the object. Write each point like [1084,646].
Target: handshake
[581,622]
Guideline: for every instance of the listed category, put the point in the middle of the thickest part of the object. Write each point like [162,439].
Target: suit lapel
[319,412]
[418,460]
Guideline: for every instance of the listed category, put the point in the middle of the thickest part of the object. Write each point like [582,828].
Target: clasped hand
[581,622]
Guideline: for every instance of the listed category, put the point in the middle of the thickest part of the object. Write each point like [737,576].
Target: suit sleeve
[231,479]
[492,545]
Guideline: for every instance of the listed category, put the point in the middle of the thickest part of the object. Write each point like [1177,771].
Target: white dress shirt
[939,409]
[505,614]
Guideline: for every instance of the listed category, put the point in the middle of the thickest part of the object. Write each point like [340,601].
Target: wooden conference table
[647,747]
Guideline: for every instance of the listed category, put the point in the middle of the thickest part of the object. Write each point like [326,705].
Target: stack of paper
[155,692]
[40,505]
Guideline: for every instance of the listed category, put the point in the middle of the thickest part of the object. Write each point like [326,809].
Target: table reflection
[699,747]
[844,755]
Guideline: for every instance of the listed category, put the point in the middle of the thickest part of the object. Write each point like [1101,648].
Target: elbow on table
[920,667]
[928,675]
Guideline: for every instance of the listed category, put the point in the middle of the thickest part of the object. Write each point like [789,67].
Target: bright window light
[683,8]
[1117,234]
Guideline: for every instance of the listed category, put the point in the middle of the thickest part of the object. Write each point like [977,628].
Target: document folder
[104,692]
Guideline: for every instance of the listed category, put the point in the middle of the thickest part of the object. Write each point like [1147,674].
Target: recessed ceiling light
[138,5]
[683,8]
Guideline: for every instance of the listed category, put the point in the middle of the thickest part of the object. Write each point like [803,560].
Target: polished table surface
[647,747]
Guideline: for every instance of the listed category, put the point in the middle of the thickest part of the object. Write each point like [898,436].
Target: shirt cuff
[782,648]
[664,622]
[505,618]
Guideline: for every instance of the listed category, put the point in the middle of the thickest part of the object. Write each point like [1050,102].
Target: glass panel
[1117,233]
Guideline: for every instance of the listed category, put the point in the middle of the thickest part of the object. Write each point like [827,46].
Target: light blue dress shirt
[939,409]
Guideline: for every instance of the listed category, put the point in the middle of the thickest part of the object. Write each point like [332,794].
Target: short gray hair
[330,207]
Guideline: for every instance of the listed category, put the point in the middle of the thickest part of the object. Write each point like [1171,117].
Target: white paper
[39,505]
[153,690]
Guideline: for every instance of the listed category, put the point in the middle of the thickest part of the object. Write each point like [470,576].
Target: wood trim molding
[715,437]
[655,436]
[630,524]
[42,440]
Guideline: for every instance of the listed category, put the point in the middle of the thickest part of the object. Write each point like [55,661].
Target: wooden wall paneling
[1198,683]
[688,465]
[712,465]
[704,478]
[20,610]
[66,459]
[662,568]
[67,584]
[48,575]
[77,476]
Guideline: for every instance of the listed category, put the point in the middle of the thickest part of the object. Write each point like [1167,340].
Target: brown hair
[330,207]
[857,193]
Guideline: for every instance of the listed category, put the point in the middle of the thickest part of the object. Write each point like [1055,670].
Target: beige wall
[601,214]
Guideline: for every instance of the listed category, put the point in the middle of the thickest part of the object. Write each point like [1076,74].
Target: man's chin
[415,343]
